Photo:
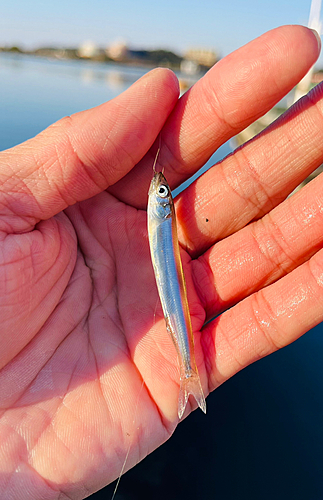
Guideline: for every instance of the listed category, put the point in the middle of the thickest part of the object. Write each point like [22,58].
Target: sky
[171,24]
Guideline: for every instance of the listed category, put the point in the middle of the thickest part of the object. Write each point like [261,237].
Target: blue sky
[172,24]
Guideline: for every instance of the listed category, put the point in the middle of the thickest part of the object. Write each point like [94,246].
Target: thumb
[81,155]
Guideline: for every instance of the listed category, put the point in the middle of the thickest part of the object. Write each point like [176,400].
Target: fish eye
[162,191]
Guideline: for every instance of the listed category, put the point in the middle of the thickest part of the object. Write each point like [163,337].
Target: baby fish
[165,256]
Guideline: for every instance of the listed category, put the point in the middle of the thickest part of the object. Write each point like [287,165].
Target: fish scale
[165,256]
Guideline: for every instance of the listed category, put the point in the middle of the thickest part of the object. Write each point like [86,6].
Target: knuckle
[268,335]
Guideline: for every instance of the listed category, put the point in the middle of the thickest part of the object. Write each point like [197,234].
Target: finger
[82,155]
[262,252]
[256,178]
[235,92]
[264,322]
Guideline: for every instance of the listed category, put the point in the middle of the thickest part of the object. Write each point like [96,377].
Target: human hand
[87,368]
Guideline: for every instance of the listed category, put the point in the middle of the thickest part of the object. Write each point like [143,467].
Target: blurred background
[262,436]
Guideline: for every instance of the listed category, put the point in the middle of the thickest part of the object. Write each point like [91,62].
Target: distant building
[317,77]
[88,50]
[202,57]
[118,51]
[189,67]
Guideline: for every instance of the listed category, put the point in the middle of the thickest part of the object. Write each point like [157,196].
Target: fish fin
[190,384]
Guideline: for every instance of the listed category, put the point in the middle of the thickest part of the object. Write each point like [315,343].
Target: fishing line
[128,449]
[142,384]
[133,423]
[156,157]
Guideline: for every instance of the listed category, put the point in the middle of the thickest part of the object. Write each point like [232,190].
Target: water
[36,92]
[262,436]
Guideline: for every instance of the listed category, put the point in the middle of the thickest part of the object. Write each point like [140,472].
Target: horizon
[175,25]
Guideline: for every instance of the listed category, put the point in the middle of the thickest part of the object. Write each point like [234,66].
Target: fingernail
[318,38]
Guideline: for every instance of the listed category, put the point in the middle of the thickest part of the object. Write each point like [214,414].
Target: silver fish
[165,256]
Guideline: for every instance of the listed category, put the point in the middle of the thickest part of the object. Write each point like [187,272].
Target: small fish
[165,256]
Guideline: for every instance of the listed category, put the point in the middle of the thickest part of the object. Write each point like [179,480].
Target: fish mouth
[158,179]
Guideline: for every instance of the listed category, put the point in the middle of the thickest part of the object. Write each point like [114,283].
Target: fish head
[160,200]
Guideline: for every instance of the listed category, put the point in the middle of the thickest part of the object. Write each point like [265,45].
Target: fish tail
[190,384]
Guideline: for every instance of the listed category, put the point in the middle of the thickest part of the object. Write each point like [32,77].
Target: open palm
[87,367]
